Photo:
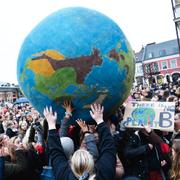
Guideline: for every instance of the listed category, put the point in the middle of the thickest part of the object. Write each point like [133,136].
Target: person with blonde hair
[82,156]
[175,169]
[82,165]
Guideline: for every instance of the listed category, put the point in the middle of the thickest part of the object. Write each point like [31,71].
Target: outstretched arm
[88,138]
[59,161]
[106,162]
[64,122]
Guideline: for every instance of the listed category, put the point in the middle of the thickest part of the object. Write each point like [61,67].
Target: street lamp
[176,14]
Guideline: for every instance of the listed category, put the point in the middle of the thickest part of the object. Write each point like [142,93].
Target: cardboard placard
[157,115]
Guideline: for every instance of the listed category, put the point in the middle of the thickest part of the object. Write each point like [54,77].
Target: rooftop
[8,85]
[153,50]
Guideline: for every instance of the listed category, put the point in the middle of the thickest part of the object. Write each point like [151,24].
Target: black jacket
[136,154]
[140,159]
[104,166]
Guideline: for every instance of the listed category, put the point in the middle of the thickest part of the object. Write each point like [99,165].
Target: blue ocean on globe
[76,54]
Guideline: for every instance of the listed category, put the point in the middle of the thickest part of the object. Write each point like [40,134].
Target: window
[173,63]
[162,52]
[164,65]
[175,50]
[150,55]
[139,69]
[147,68]
[156,67]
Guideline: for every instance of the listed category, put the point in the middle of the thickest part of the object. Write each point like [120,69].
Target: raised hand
[67,106]
[82,125]
[50,117]
[163,163]
[97,113]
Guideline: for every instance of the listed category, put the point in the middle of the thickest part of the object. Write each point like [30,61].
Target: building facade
[176,15]
[139,75]
[9,92]
[160,62]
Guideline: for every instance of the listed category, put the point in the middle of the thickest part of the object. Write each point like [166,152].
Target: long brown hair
[175,170]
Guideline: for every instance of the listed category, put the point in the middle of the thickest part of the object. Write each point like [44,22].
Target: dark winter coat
[141,160]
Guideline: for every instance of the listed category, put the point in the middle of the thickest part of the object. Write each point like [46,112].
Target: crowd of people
[106,149]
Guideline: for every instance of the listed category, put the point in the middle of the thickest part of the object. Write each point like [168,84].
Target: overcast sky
[142,21]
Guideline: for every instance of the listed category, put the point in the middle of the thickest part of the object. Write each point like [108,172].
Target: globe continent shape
[76,54]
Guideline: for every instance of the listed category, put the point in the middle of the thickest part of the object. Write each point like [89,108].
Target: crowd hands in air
[105,149]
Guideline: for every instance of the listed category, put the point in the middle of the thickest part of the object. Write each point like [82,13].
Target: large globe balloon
[76,54]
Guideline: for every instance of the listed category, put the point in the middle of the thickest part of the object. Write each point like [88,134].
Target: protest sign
[157,115]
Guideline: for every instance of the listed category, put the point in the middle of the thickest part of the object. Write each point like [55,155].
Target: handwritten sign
[157,115]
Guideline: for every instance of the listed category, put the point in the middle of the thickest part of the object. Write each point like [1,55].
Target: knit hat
[68,146]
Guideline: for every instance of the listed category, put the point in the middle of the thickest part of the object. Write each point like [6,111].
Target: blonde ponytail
[82,164]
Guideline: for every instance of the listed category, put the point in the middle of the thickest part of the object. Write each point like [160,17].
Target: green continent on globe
[54,85]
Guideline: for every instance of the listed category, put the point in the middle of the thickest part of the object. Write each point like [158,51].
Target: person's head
[82,163]
[4,139]
[175,170]
[155,98]
[23,125]
[92,128]
[166,93]
[176,149]
[136,95]
[68,146]
[161,93]
[14,124]
[177,92]
[171,98]
[29,117]
[177,122]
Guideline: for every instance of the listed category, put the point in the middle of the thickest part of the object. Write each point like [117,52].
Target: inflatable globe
[76,54]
